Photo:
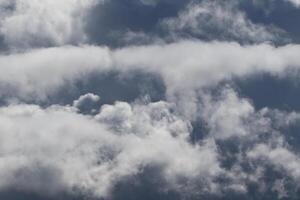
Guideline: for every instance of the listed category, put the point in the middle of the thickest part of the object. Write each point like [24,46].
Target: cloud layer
[199,138]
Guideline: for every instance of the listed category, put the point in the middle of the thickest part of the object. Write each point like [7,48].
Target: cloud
[280,156]
[34,75]
[205,64]
[163,20]
[38,73]
[294,2]
[63,149]
[219,20]
[86,100]
[88,147]
[43,23]
[93,153]
[231,116]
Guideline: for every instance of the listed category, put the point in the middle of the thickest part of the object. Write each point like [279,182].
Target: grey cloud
[295,2]
[87,97]
[86,102]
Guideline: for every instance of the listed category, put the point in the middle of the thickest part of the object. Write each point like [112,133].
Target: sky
[149,99]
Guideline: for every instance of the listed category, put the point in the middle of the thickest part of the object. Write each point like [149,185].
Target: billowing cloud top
[149,99]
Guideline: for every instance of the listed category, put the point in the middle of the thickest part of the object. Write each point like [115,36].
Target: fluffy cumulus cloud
[85,100]
[202,138]
[58,149]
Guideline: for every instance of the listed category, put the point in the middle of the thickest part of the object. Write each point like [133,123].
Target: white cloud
[221,20]
[38,23]
[38,73]
[188,66]
[281,118]
[95,152]
[229,115]
[205,63]
[57,148]
[63,149]
[278,155]
[185,66]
